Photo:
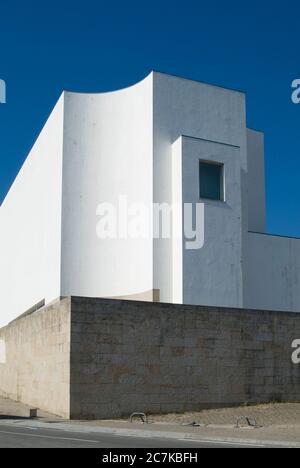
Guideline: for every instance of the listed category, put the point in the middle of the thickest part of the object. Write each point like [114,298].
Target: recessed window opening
[211,180]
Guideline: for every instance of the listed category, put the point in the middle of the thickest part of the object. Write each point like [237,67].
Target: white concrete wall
[107,153]
[30,226]
[272,273]
[177,223]
[271,264]
[212,275]
[143,142]
[185,107]
[256,181]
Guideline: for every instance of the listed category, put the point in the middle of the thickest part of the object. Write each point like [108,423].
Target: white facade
[145,143]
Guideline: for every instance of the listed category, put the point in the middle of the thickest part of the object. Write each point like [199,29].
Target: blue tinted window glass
[210,181]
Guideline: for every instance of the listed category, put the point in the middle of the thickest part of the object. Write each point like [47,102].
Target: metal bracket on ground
[142,416]
[249,420]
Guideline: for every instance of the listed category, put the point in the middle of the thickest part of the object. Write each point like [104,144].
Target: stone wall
[129,356]
[102,358]
[35,368]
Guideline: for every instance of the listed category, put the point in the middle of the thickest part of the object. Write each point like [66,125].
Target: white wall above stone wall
[30,225]
[256,181]
[193,109]
[108,141]
[212,275]
[272,273]
[143,142]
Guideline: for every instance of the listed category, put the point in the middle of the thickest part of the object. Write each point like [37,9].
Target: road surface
[12,436]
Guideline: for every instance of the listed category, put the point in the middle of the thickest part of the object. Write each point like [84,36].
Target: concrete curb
[155,434]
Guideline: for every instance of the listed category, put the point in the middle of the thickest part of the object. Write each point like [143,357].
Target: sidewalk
[288,436]
[13,409]
[285,435]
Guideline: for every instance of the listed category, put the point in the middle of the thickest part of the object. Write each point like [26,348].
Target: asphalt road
[12,436]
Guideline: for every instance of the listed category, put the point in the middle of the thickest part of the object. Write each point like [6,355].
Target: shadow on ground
[9,416]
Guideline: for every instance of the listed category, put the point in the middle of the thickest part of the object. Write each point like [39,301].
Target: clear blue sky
[94,45]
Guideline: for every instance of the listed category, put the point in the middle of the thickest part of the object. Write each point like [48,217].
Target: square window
[211,181]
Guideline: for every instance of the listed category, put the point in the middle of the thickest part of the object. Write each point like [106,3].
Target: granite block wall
[35,364]
[129,356]
[104,358]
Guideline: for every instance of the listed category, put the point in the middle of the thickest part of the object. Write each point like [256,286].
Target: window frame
[222,179]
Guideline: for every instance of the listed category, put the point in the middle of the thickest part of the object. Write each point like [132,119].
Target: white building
[146,142]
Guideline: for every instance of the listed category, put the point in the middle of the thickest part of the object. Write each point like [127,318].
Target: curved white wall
[93,148]
[107,152]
